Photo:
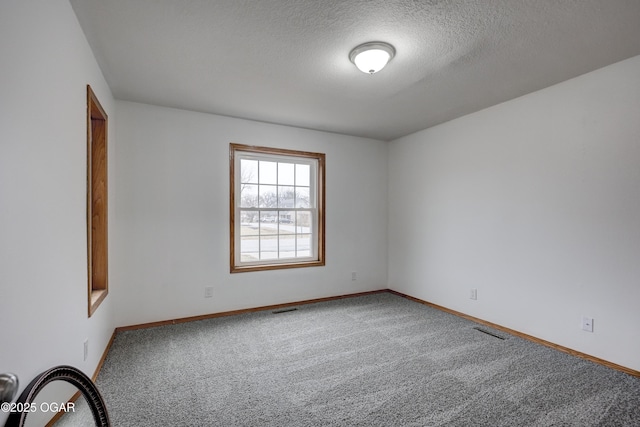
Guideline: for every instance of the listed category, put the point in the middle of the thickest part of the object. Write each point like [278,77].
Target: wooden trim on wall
[513,332]
[104,356]
[321,207]
[320,202]
[97,202]
[77,394]
[244,311]
[531,338]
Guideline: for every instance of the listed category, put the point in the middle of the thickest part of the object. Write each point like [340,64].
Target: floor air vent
[284,310]
[484,331]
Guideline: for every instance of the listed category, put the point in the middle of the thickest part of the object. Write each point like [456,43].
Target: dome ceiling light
[372,57]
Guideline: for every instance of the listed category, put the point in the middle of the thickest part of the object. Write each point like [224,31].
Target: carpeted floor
[376,360]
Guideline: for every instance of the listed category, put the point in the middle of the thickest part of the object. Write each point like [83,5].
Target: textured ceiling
[286,61]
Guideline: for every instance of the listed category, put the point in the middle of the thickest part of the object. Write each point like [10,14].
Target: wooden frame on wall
[319,183]
[97,207]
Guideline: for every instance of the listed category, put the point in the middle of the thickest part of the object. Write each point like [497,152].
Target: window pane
[248,243]
[303,222]
[249,250]
[302,197]
[287,244]
[268,172]
[268,196]
[287,222]
[248,196]
[249,219]
[248,230]
[268,247]
[303,175]
[286,173]
[248,171]
[268,223]
[304,245]
[286,197]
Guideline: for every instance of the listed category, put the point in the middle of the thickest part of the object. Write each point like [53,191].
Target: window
[277,208]
[97,229]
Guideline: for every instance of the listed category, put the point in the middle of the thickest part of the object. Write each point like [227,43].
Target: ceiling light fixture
[372,57]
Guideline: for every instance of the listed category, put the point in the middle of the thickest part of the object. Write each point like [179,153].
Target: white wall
[46,65]
[534,202]
[172,216]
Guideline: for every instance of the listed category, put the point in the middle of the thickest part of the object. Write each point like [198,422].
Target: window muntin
[277,202]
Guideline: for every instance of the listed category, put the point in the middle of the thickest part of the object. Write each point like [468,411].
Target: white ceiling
[286,61]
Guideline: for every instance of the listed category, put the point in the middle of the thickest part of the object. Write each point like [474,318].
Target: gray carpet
[376,360]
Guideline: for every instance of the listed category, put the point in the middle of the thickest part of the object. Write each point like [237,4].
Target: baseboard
[96,372]
[536,340]
[242,311]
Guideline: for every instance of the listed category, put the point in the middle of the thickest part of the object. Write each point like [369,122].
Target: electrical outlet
[473,294]
[208,291]
[587,324]
[86,349]
[354,276]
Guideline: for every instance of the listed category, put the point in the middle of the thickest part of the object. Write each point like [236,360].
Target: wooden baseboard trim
[77,394]
[536,340]
[242,311]
[57,416]
[104,356]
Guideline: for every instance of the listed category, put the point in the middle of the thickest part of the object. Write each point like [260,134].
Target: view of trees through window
[276,209]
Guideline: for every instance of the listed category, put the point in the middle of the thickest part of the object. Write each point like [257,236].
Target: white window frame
[316,161]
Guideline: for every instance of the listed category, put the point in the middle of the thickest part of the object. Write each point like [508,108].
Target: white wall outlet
[354,275]
[587,324]
[208,291]
[473,294]
[86,349]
